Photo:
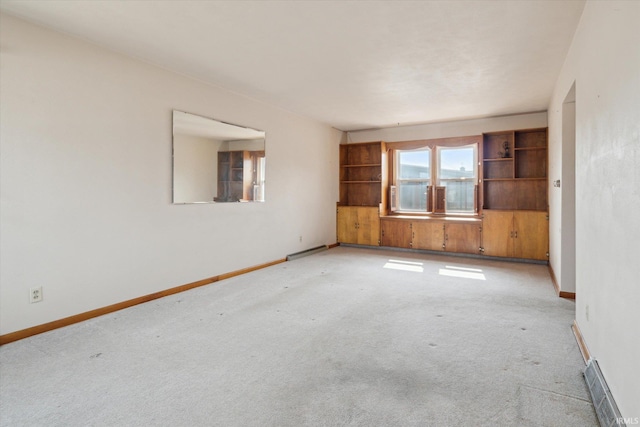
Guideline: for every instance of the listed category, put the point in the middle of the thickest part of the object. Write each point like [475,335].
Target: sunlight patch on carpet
[463,272]
[394,264]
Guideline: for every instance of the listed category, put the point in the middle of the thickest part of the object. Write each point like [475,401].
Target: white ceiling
[353,65]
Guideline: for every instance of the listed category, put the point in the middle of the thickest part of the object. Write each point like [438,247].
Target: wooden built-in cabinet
[235,174]
[515,170]
[461,236]
[516,234]
[363,187]
[513,194]
[395,232]
[358,225]
[427,235]
[363,174]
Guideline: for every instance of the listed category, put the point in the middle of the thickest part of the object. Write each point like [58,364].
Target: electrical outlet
[35,294]
[301,238]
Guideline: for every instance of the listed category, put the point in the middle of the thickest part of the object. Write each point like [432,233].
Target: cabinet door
[462,237]
[427,235]
[368,226]
[347,224]
[497,229]
[396,233]
[531,235]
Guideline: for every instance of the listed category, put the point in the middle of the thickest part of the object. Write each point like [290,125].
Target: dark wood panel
[531,195]
[531,138]
[462,237]
[498,169]
[531,163]
[360,194]
[395,233]
[362,173]
[499,195]
[440,205]
[363,154]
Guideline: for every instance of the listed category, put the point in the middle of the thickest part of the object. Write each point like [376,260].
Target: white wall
[450,129]
[248,145]
[604,63]
[85,143]
[195,168]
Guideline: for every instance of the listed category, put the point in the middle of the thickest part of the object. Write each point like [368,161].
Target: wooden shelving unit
[363,189]
[517,180]
[363,174]
[234,176]
[515,194]
[513,190]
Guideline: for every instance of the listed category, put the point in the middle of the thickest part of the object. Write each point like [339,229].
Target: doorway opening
[568,195]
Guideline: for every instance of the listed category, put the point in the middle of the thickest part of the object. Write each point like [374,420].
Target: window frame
[435,145]
[397,180]
[474,179]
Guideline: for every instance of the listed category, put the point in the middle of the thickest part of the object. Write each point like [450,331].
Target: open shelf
[515,170]
[362,174]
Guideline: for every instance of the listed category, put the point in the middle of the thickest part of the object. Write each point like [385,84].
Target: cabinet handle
[516,234]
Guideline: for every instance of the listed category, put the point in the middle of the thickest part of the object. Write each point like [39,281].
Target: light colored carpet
[345,337]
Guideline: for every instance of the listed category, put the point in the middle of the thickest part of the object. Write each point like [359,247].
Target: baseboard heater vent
[306,252]
[606,408]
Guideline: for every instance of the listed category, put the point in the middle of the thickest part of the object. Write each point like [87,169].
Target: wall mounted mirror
[216,162]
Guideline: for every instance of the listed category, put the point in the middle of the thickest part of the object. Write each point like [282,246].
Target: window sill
[434,217]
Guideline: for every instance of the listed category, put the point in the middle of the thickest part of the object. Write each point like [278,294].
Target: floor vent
[307,252]
[606,408]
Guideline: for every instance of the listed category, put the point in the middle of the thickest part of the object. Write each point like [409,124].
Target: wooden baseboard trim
[581,344]
[250,269]
[45,327]
[561,294]
[334,245]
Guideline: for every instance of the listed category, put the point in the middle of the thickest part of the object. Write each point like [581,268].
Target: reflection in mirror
[215,162]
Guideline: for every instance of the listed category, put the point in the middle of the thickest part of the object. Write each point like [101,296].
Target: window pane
[457,172]
[414,164]
[457,163]
[413,176]
[460,196]
[412,196]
